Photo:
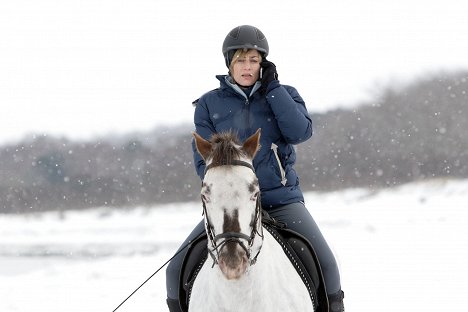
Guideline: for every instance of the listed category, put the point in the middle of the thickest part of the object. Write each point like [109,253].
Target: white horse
[249,270]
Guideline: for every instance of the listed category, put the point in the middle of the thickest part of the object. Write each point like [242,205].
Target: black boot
[335,302]
[173,305]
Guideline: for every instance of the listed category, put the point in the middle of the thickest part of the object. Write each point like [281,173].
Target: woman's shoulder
[206,96]
[212,93]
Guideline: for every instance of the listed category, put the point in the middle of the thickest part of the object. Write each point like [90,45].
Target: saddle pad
[194,259]
[302,256]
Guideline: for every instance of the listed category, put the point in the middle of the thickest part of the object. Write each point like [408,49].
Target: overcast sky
[83,68]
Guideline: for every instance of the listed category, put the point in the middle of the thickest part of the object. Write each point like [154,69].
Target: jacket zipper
[247,117]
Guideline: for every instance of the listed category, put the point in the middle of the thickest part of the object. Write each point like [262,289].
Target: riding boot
[173,305]
[335,302]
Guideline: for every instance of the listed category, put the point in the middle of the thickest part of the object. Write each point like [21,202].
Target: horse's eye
[255,196]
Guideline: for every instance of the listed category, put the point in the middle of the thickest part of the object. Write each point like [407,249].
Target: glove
[269,75]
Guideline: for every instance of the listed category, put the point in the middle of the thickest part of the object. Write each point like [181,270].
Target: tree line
[407,133]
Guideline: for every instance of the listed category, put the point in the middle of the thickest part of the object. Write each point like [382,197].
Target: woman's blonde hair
[241,53]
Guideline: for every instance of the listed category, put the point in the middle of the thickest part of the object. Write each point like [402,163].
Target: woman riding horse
[250,97]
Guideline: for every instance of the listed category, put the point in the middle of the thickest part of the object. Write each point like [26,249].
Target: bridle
[236,237]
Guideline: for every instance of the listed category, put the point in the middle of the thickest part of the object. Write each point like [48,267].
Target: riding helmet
[244,37]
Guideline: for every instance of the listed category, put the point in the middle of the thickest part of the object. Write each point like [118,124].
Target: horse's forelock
[225,148]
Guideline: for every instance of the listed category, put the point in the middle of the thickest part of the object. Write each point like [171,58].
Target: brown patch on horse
[225,148]
[231,224]
[253,186]
[206,189]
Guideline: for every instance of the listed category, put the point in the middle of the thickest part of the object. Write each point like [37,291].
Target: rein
[156,272]
[233,236]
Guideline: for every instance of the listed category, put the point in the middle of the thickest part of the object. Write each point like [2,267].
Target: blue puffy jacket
[284,120]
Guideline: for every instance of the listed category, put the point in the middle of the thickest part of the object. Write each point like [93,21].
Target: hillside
[408,133]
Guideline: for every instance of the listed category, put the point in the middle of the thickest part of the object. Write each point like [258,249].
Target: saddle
[296,247]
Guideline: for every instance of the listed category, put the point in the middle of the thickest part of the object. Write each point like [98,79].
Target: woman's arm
[291,113]
[205,129]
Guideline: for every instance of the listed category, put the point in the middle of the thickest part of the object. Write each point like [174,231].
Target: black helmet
[244,37]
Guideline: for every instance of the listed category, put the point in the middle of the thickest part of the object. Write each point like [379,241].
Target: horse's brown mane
[224,148]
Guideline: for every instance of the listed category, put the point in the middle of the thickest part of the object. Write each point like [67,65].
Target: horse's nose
[233,261]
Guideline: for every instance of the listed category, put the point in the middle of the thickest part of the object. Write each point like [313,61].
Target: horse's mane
[225,148]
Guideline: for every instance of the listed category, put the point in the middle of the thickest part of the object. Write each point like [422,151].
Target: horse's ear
[203,146]
[252,144]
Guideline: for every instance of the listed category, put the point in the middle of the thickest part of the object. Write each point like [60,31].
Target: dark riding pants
[297,218]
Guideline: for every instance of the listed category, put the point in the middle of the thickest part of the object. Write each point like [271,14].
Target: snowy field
[402,249]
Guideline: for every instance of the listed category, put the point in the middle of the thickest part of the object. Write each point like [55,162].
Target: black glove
[269,74]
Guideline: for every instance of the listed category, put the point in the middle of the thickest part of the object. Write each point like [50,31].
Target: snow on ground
[401,249]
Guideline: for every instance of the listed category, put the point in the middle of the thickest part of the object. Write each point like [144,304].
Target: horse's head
[230,195]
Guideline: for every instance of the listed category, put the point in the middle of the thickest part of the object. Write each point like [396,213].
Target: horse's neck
[272,284]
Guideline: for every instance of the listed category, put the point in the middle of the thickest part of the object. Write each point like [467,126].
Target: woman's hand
[269,74]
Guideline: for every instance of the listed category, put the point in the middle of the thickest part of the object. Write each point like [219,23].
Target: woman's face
[246,68]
